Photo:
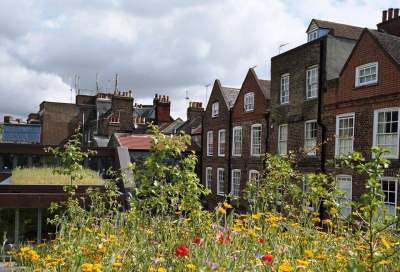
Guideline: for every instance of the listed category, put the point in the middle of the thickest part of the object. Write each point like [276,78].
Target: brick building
[298,77]
[250,118]
[361,107]
[216,141]
[234,136]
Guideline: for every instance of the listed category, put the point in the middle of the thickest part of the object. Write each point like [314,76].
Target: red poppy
[221,238]
[260,241]
[182,251]
[267,258]
[197,240]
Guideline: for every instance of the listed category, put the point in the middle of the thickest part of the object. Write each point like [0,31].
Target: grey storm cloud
[155,46]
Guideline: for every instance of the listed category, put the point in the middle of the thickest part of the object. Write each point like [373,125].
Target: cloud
[168,47]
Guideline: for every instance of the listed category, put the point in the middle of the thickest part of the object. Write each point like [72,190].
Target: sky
[169,47]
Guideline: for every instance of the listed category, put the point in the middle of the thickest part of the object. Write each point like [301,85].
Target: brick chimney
[7,119]
[194,110]
[390,22]
[162,108]
[122,106]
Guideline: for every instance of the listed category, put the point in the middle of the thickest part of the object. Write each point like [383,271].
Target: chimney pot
[167,98]
[384,16]
[396,13]
[390,14]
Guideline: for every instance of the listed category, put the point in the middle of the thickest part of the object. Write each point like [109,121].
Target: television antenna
[282,45]
[187,98]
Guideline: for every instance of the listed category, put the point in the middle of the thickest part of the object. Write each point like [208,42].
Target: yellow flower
[256,216]
[97,267]
[221,210]
[285,267]
[301,263]
[308,253]
[316,220]
[162,269]
[387,244]
[117,265]
[385,262]
[327,222]
[333,210]
[190,266]
[87,267]
[227,205]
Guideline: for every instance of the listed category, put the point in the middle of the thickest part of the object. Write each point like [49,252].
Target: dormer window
[313,35]
[249,102]
[367,74]
[215,109]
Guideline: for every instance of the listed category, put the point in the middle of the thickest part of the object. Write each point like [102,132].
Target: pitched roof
[390,43]
[134,142]
[265,87]
[339,30]
[171,128]
[230,95]
[189,125]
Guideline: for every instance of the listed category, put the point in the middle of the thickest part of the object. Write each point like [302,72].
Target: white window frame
[221,142]
[252,147]
[346,209]
[387,203]
[340,117]
[375,130]
[248,102]
[366,66]
[209,178]
[284,89]
[235,184]
[309,87]
[255,172]
[219,181]
[215,109]
[313,35]
[210,143]
[283,141]
[312,152]
[234,149]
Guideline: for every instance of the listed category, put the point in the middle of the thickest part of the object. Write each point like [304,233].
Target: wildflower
[221,210]
[97,267]
[267,258]
[301,263]
[162,269]
[333,211]
[316,220]
[308,253]
[260,241]
[87,267]
[387,244]
[327,222]
[182,251]
[190,266]
[117,265]
[384,262]
[256,216]
[220,237]
[285,267]
[227,205]
[197,240]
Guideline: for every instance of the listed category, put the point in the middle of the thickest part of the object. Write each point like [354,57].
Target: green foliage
[167,182]
[71,157]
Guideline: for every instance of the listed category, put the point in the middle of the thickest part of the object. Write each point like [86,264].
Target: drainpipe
[230,150]
[321,88]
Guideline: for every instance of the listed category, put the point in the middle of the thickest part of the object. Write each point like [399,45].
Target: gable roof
[338,30]
[172,128]
[229,95]
[390,43]
[265,87]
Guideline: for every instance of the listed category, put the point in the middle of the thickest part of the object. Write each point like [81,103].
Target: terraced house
[250,118]
[298,79]
[216,141]
[361,107]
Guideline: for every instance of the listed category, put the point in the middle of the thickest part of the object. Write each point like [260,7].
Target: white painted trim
[249,94]
[350,114]
[233,141]
[208,182]
[254,171]
[316,66]
[280,89]
[251,140]
[210,132]
[375,130]
[314,153]
[357,74]
[279,137]
[219,142]
[240,180]
[218,191]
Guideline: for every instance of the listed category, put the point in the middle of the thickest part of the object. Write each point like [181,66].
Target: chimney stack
[384,16]
[396,13]
[390,11]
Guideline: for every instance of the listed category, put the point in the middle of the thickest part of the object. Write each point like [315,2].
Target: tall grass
[46,176]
